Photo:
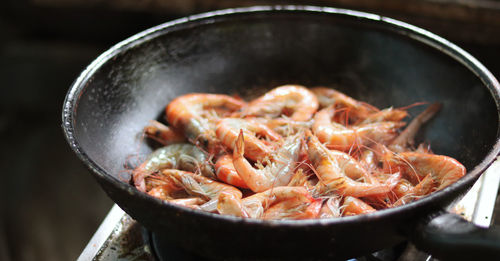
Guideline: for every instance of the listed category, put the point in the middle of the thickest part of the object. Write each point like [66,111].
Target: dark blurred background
[50,206]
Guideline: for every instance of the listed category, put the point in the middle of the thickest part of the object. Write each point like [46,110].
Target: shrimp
[355,206]
[423,188]
[293,209]
[191,184]
[331,170]
[193,114]
[330,97]
[163,134]
[294,101]
[389,114]
[443,169]
[331,208]
[198,185]
[353,169]
[402,188]
[278,172]
[163,191]
[179,156]
[226,172]
[228,129]
[407,136]
[255,206]
[340,137]
[362,112]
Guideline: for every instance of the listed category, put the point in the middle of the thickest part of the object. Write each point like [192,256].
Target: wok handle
[450,237]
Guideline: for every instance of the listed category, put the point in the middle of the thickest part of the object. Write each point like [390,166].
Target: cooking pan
[246,51]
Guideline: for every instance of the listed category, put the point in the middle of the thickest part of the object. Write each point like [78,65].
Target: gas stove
[120,237]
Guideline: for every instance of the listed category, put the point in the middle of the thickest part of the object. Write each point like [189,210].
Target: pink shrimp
[196,115]
[192,185]
[424,187]
[256,149]
[444,170]
[295,101]
[255,206]
[163,134]
[340,137]
[278,171]
[200,186]
[226,172]
[332,173]
[174,156]
[353,169]
[402,188]
[164,190]
[330,97]
[331,208]
[389,114]
[293,209]
[355,206]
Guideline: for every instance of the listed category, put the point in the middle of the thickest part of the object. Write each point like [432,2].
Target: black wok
[375,59]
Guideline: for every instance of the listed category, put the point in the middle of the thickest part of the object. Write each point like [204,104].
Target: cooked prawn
[181,156]
[256,149]
[196,115]
[443,169]
[340,137]
[424,187]
[355,206]
[163,134]
[293,209]
[332,173]
[255,205]
[329,97]
[277,172]
[198,186]
[294,101]
[389,114]
[164,190]
[331,208]
[402,188]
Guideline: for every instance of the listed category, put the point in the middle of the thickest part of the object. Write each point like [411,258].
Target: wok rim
[406,30]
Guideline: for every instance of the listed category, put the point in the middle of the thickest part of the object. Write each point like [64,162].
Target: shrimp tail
[239,148]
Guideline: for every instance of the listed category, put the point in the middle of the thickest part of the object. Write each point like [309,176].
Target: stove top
[119,237]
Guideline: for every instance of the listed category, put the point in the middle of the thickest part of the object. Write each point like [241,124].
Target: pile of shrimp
[293,153]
